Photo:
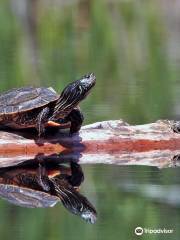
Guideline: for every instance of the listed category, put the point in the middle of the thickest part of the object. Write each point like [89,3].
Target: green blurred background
[133,49]
[131,46]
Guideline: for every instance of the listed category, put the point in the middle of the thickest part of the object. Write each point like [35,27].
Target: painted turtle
[31,188]
[29,107]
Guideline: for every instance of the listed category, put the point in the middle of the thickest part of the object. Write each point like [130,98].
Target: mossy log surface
[110,142]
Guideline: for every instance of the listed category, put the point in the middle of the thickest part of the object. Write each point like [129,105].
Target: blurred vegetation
[127,45]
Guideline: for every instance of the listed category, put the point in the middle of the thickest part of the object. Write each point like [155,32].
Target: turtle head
[73,201]
[79,89]
[79,205]
[74,93]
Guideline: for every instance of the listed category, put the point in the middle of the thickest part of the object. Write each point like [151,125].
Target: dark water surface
[133,49]
[124,197]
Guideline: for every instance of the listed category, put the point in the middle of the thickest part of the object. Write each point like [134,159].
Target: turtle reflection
[43,187]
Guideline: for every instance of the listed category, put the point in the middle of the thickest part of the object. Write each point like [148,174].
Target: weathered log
[104,142]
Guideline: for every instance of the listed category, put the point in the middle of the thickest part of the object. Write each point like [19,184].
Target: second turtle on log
[38,108]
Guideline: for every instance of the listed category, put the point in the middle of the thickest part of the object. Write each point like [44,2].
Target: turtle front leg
[43,179]
[77,175]
[76,118]
[41,120]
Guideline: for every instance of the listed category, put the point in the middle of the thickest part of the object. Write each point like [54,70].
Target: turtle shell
[26,197]
[25,99]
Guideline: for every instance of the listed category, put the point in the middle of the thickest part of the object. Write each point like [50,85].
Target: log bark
[114,142]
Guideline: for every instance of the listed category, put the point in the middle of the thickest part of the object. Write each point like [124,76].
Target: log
[114,142]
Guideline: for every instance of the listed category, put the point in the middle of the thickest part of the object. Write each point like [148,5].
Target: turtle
[26,188]
[40,107]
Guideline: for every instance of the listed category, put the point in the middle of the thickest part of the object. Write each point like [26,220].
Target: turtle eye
[87,76]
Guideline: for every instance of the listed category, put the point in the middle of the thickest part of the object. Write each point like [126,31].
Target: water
[133,48]
[124,197]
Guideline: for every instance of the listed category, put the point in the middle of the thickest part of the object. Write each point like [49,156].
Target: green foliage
[123,43]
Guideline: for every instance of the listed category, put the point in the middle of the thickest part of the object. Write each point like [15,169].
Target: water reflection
[44,186]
